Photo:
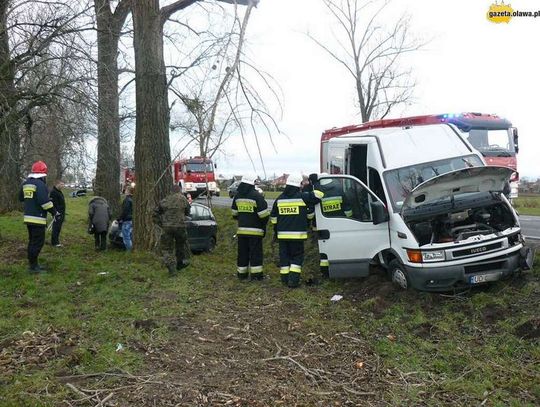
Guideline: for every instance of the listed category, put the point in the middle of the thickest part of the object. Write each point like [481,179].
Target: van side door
[347,235]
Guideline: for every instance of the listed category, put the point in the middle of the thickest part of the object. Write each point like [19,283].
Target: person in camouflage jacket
[170,216]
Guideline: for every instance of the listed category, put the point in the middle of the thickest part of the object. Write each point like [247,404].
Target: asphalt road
[530,225]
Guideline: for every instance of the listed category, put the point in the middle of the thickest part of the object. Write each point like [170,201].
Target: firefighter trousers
[36,240]
[250,255]
[291,256]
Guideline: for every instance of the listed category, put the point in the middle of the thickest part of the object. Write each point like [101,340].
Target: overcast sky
[470,64]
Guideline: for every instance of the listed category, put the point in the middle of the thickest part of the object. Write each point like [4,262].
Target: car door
[193,226]
[205,225]
[347,235]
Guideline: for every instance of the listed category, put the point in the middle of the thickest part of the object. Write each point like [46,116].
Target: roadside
[112,326]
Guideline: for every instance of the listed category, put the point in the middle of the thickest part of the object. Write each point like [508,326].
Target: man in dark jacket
[126,218]
[57,198]
[36,200]
[99,214]
[170,216]
[251,210]
[290,217]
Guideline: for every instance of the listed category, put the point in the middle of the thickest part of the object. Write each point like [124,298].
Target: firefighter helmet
[39,169]
[248,180]
[295,180]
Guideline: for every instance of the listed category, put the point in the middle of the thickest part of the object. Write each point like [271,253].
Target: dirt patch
[529,329]
[426,331]
[11,252]
[33,350]
[244,357]
[145,324]
[492,313]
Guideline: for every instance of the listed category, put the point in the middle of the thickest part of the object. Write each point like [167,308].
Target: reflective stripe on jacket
[251,210]
[291,211]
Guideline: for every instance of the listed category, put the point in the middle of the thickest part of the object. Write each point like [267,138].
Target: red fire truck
[196,174]
[492,136]
[127,178]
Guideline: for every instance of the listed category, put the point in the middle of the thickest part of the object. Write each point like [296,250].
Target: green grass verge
[418,348]
[528,205]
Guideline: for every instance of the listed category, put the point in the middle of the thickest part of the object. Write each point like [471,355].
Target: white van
[420,202]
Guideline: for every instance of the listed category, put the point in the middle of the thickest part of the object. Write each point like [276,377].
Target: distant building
[529,187]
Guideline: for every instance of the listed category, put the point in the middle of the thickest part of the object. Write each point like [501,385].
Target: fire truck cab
[196,175]
[421,203]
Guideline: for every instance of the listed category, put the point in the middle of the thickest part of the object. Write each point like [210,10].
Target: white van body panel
[353,243]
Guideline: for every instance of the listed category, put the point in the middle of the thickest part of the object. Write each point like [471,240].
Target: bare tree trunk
[152,148]
[109,26]
[9,141]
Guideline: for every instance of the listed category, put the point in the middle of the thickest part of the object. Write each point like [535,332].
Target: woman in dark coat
[99,215]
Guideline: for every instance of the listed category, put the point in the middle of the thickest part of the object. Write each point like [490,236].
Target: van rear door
[348,238]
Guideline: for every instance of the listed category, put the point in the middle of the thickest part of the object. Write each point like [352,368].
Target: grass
[204,338]
[528,204]
[271,194]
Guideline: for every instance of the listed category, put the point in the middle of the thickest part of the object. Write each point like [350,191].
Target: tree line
[68,67]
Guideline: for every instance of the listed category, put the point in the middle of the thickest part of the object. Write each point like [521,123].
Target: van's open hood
[475,179]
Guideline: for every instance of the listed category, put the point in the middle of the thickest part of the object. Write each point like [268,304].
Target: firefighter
[290,217]
[251,210]
[170,215]
[36,200]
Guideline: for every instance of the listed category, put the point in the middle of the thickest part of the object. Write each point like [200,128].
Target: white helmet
[248,180]
[294,180]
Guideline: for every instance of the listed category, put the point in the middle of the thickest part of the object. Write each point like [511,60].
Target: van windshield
[403,180]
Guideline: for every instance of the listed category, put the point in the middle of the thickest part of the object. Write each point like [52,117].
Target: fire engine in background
[194,174]
[492,136]
[127,178]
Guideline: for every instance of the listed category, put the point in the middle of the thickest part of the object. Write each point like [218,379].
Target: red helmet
[39,167]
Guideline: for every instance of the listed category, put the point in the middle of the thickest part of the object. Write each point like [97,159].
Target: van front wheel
[398,275]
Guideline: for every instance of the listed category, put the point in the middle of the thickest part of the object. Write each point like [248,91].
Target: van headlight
[419,256]
[437,255]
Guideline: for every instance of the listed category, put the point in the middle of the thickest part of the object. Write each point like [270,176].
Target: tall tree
[9,142]
[109,27]
[32,34]
[371,53]
[152,146]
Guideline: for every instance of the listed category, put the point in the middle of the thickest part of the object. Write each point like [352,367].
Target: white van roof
[402,147]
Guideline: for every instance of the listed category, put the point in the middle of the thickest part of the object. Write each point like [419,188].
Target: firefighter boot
[242,276]
[284,279]
[36,269]
[294,280]
[256,276]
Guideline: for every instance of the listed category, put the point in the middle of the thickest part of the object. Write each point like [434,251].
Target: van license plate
[484,278]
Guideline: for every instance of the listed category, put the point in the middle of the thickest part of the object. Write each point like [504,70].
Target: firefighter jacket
[172,211]
[290,213]
[251,210]
[36,200]
[335,203]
